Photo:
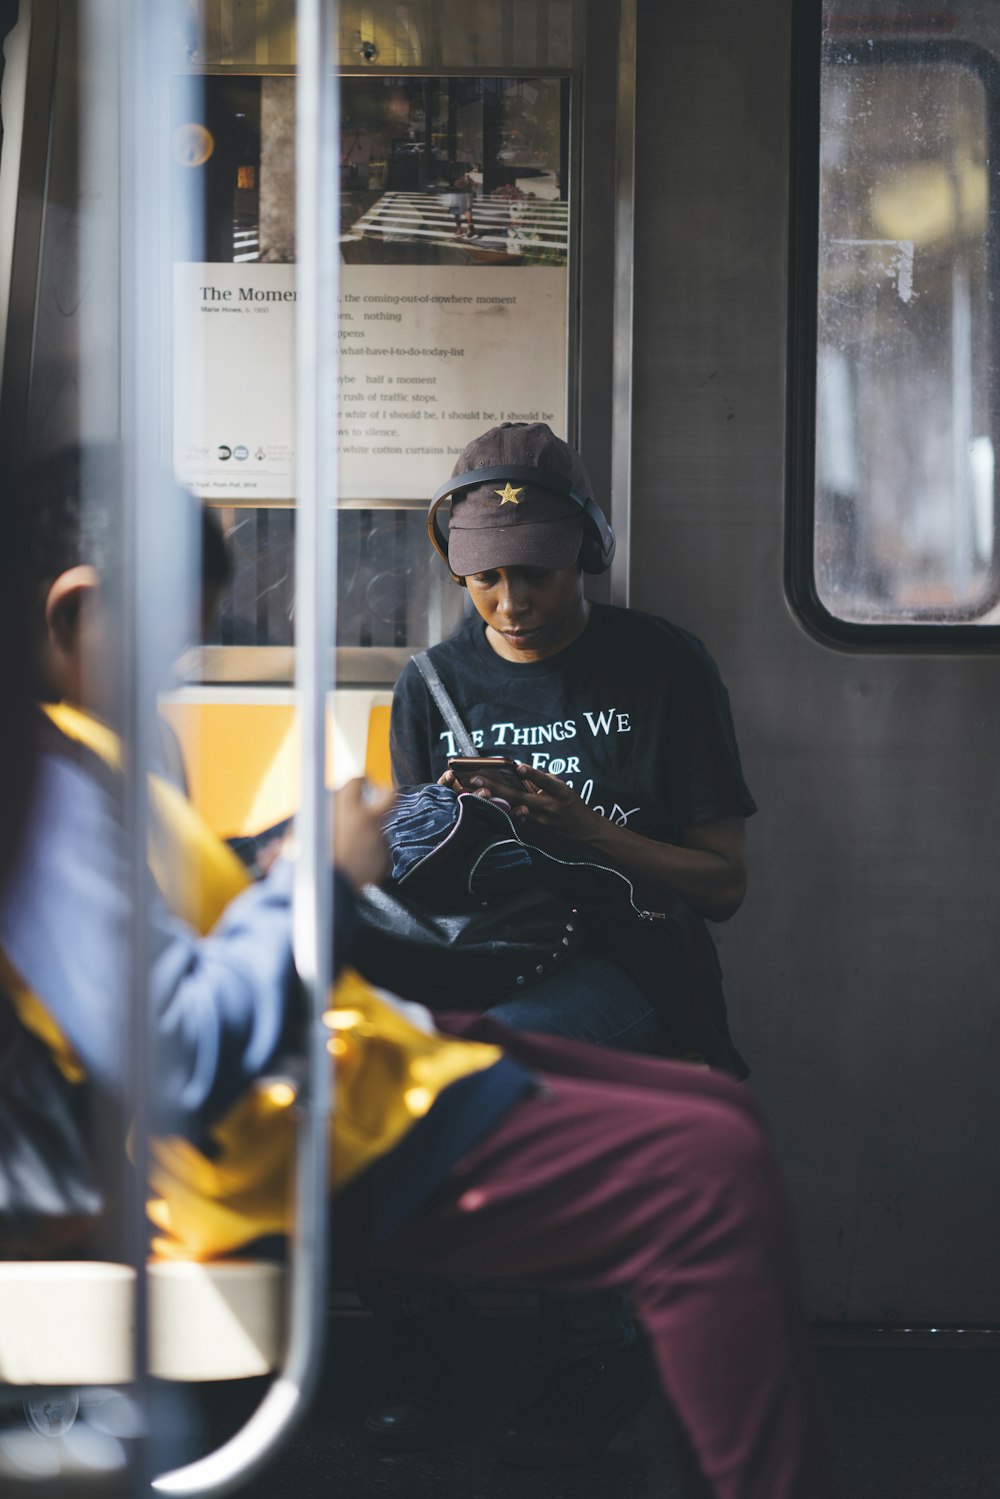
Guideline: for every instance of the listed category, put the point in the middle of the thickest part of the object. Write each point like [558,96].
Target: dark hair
[64,510]
[61,511]
[17,731]
[216,564]
[17,693]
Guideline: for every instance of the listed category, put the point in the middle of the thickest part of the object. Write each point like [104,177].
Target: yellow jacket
[388,1071]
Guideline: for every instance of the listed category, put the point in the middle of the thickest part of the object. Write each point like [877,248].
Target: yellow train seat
[240,749]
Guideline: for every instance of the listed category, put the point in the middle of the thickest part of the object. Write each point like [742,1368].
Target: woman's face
[530,612]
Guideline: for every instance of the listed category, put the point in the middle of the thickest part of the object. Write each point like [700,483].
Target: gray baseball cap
[515,523]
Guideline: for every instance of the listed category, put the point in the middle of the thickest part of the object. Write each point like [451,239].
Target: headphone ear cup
[442,537]
[592,556]
[439,538]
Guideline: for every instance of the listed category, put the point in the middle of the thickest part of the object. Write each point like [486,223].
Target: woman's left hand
[550,803]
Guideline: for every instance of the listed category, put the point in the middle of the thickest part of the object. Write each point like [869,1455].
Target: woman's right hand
[478,786]
[359,848]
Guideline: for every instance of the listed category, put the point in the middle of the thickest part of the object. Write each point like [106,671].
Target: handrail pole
[317,217]
[317,239]
[136,29]
[621,404]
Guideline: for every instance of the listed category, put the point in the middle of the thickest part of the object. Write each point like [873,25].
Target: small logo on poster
[193,144]
[241,452]
[260,455]
[224,452]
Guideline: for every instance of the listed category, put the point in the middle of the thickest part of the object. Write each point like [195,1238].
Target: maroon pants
[657,1177]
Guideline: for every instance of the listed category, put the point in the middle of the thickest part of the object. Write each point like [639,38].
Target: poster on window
[454,250]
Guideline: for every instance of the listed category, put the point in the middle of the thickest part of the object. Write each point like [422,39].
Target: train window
[900,530]
[387,597]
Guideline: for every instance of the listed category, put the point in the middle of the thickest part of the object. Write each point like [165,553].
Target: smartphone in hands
[496,768]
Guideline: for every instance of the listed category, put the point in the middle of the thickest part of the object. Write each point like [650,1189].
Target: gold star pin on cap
[509,496]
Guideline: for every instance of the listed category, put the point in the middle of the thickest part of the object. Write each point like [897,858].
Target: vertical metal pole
[140,98]
[317,218]
[317,238]
[962,532]
[621,400]
[317,208]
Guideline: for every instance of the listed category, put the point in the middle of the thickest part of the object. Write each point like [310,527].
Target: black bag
[50,1196]
[462,958]
[439,933]
[465,918]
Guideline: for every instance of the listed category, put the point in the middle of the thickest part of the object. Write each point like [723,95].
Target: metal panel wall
[862,970]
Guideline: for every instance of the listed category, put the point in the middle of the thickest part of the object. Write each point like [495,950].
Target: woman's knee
[728,1146]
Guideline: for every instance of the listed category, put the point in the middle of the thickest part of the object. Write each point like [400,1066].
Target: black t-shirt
[634,716]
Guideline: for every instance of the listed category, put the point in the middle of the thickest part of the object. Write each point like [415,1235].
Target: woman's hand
[480,786]
[359,848]
[707,869]
[549,803]
[543,800]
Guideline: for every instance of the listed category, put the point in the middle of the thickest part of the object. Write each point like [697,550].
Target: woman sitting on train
[626,753]
[541,1158]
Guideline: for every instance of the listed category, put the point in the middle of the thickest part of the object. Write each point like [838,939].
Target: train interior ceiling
[745,258]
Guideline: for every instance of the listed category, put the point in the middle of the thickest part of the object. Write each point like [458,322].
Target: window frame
[949,632]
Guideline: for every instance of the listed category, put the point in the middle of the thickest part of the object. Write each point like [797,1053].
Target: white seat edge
[71,1322]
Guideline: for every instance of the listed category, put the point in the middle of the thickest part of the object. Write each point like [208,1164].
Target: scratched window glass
[904,516]
[386,593]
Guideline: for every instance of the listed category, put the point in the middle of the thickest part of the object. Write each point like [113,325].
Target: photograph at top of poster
[433,171]
[454,171]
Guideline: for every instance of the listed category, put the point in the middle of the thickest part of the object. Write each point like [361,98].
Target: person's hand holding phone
[532,796]
[548,802]
[492,777]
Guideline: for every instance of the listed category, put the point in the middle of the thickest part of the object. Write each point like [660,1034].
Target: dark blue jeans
[590,999]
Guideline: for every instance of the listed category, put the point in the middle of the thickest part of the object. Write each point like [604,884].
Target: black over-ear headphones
[598,547]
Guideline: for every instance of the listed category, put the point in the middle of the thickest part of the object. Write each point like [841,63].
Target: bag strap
[447,708]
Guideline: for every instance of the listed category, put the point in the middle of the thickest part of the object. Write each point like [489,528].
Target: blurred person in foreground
[458,1146]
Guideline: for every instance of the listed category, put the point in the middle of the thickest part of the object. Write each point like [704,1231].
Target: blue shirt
[220,1004]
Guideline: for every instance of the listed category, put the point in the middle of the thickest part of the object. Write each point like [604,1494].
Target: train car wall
[862,967]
